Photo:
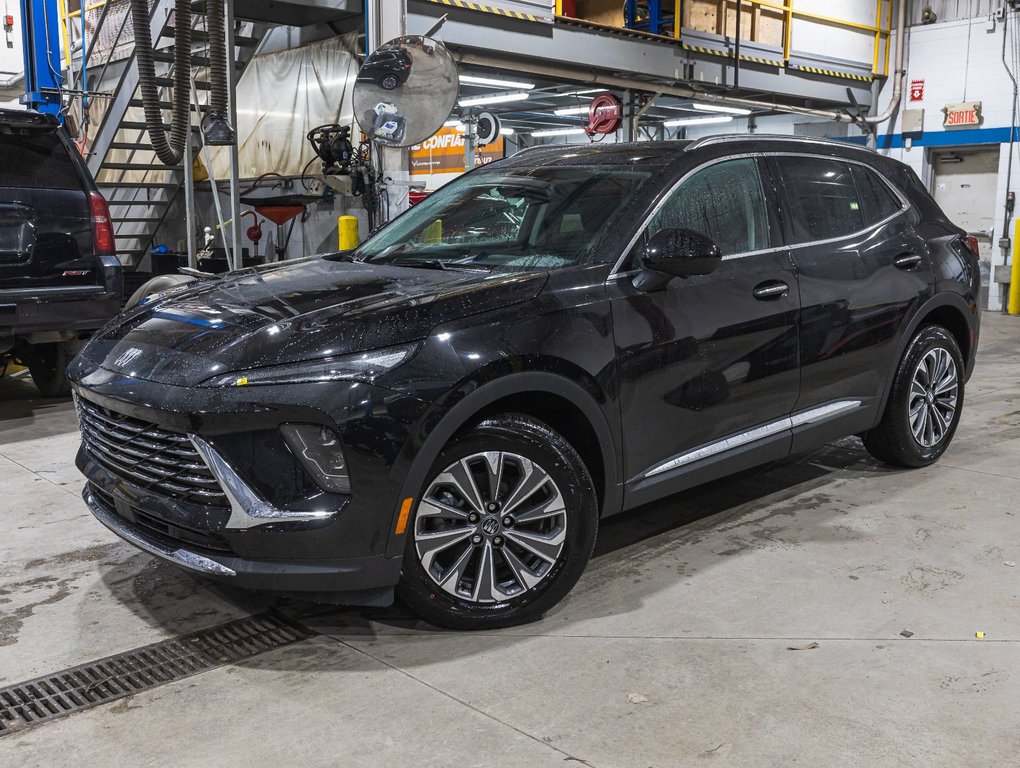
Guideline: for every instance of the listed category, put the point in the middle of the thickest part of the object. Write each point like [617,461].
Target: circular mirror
[405,91]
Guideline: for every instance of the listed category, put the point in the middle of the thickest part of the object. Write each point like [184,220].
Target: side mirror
[681,253]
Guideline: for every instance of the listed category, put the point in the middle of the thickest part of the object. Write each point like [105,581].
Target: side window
[822,198]
[724,201]
[877,200]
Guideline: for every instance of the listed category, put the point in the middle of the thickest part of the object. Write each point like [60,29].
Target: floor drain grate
[46,698]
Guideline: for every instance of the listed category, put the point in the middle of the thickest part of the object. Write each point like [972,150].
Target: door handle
[907,261]
[770,289]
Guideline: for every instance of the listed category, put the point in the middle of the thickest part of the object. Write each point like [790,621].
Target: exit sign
[965,114]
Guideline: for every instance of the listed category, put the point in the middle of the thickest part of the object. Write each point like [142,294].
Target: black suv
[556,337]
[59,275]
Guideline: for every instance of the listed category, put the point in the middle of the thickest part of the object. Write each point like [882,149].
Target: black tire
[389,82]
[48,368]
[517,436]
[893,440]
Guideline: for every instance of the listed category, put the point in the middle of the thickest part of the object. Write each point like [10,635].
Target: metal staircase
[141,190]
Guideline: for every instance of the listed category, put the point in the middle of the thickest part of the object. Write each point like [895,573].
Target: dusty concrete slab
[671,651]
[330,706]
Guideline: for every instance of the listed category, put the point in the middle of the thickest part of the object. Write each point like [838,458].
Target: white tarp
[281,97]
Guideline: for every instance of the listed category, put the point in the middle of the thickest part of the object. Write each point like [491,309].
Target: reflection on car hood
[293,312]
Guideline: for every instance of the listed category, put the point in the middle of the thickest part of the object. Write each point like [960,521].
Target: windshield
[537,218]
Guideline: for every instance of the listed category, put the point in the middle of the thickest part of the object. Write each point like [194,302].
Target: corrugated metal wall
[952,10]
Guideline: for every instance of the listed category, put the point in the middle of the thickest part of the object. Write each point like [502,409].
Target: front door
[707,364]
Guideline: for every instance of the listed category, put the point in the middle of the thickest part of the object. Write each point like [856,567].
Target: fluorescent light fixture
[572,111]
[699,120]
[496,98]
[453,124]
[558,132]
[580,93]
[721,108]
[506,130]
[495,81]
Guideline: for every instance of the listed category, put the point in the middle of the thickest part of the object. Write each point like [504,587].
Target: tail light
[972,243]
[103,241]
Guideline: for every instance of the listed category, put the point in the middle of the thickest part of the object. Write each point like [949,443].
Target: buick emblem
[127,357]
[490,526]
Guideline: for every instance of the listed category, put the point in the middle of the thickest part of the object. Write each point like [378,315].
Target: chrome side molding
[181,557]
[247,508]
[810,416]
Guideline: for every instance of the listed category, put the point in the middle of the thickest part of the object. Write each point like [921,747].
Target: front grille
[147,455]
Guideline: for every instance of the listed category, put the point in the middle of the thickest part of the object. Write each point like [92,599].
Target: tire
[452,538]
[389,82]
[48,369]
[921,416]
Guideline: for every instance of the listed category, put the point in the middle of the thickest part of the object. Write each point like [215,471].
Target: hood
[294,312]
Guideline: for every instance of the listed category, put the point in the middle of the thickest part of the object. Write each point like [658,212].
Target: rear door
[708,364]
[45,220]
[863,272]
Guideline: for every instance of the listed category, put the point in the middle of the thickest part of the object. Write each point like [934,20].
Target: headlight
[363,366]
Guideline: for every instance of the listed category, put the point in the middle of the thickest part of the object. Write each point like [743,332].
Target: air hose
[169,151]
[217,130]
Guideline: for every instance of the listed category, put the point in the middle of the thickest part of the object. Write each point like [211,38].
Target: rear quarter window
[878,201]
[36,160]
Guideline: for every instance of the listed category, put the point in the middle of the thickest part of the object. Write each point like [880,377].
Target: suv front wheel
[925,402]
[503,528]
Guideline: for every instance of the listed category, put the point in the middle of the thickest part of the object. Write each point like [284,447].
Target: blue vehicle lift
[40,24]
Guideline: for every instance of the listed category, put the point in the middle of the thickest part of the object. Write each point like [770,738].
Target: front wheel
[503,528]
[924,405]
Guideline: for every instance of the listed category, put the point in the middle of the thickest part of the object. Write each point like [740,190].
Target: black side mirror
[681,253]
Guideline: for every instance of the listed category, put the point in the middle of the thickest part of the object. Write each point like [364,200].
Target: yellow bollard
[1014,274]
[347,229]
[433,233]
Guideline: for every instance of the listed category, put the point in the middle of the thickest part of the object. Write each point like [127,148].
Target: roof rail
[778,137]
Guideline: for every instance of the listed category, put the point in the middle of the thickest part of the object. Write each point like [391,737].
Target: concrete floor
[673,649]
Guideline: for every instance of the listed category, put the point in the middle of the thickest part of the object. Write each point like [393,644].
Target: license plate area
[17,241]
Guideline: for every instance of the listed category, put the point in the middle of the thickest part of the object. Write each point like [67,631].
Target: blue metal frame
[40,24]
[660,19]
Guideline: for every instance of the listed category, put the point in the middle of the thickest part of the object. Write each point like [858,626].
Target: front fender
[469,405]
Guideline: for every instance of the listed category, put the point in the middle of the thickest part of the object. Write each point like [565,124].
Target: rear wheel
[48,369]
[925,402]
[503,528]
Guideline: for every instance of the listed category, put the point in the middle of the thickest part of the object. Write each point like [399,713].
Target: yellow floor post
[1014,274]
[347,230]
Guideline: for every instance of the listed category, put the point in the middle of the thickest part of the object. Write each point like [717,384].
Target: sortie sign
[965,114]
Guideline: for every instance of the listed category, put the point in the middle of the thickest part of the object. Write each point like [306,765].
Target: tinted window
[877,200]
[723,201]
[36,159]
[822,198]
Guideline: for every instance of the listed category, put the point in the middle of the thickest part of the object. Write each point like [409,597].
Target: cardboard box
[608,12]
[719,17]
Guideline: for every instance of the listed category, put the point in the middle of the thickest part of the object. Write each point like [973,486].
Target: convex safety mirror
[681,253]
[405,91]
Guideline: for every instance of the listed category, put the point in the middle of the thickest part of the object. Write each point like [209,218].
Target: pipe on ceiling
[592,77]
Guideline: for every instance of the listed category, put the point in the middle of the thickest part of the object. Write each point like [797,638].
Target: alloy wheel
[934,392]
[490,527]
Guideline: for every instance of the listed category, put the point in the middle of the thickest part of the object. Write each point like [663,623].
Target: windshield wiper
[437,264]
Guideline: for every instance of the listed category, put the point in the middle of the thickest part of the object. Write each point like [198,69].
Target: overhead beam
[576,50]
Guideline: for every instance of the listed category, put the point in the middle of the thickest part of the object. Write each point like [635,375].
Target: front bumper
[361,581]
[335,550]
